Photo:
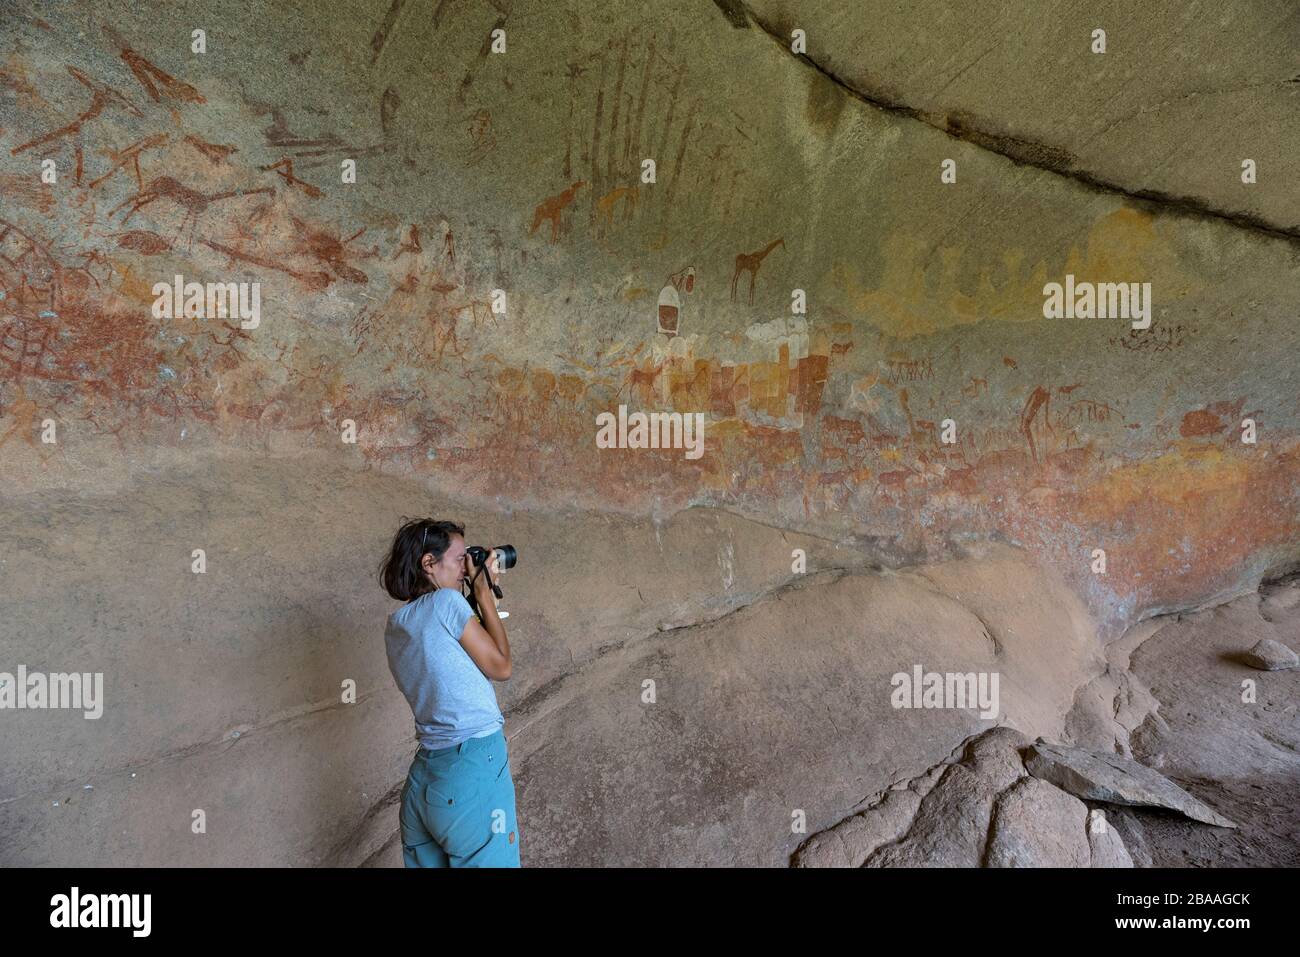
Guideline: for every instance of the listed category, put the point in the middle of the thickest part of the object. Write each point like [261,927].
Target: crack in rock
[1026,152]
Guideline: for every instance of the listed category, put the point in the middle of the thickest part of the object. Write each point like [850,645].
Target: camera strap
[473,602]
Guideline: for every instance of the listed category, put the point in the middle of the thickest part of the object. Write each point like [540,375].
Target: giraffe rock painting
[605,206]
[552,209]
[749,262]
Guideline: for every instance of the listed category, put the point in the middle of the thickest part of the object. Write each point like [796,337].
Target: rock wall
[440,334]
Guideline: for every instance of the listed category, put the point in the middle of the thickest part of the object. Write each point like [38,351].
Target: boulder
[1114,779]
[854,839]
[1270,655]
[1038,825]
[1105,843]
[951,826]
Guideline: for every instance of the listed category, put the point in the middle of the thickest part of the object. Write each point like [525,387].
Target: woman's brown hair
[400,571]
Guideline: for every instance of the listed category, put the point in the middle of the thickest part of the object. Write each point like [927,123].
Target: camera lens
[506,556]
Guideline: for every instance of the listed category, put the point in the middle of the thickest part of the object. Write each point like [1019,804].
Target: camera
[506,555]
[506,558]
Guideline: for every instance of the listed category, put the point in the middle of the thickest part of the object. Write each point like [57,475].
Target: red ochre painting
[831,419]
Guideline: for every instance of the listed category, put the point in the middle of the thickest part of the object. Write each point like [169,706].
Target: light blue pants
[458,807]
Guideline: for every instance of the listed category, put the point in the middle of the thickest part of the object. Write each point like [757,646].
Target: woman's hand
[483,583]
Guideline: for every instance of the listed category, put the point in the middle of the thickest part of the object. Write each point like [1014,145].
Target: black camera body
[506,558]
[506,555]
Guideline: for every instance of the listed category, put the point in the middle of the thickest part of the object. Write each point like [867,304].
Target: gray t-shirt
[451,699]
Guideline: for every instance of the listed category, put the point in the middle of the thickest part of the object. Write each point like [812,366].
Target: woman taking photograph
[458,803]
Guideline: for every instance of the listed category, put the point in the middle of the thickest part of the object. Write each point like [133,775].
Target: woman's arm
[486,643]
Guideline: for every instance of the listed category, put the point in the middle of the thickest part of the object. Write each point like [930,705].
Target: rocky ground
[1168,759]
[1242,757]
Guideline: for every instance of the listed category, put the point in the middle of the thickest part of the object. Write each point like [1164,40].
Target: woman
[458,803]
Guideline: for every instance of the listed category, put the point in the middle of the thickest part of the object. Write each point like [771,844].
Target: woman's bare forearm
[493,625]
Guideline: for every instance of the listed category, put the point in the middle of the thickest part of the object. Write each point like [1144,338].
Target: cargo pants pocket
[452,808]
